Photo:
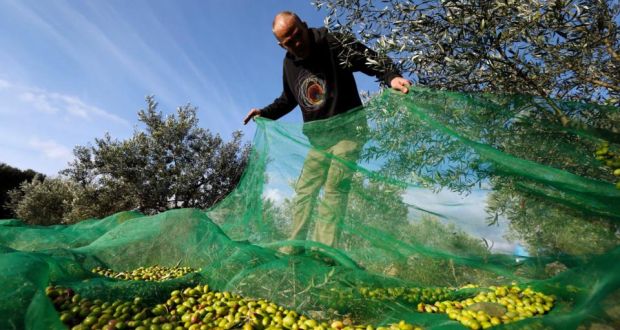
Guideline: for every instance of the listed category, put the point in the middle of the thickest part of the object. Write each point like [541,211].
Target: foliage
[42,202]
[59,200]
[550,229]
[172,164]
[370,202]
[276,218]
[429,233]
[10,178]
[556,49]
[424,145]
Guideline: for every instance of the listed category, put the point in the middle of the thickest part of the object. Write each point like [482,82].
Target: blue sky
[72,70]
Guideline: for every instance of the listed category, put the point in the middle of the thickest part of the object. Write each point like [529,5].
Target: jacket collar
[315,37]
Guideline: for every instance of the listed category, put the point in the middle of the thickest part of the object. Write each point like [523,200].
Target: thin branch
[602,83]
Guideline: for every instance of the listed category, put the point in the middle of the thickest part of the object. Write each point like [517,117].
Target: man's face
[293,36]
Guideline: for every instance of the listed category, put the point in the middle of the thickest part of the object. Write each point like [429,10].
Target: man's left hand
[400,84]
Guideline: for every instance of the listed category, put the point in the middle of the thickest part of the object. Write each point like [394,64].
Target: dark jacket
[320,84]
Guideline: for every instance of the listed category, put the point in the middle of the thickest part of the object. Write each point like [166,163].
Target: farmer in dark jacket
[316,79]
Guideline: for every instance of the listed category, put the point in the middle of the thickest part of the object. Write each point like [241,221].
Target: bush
[42,201]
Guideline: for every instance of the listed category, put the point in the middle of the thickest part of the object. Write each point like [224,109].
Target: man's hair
[285,13]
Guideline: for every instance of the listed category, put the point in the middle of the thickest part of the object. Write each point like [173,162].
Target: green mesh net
[375,214]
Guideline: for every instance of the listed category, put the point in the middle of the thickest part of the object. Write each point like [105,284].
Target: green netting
[433,190]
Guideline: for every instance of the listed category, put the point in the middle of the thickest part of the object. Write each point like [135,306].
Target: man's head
[292,34]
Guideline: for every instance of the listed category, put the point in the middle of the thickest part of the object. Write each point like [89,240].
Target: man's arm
[282,105]
[358,57]
[278,108]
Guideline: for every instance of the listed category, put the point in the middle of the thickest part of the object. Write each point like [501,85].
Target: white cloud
[78,108]
[467,212]
[503,246]
[448,203]
[50,148]
[38,102]
[56,103]
[274,194]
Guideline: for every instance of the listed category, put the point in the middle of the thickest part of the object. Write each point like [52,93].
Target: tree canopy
[10,178]
[172,163]
[558,49]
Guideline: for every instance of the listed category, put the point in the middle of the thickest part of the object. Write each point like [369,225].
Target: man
[316,79]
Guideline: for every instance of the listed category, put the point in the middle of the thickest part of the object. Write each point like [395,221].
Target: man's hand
[400,84]
[253,113]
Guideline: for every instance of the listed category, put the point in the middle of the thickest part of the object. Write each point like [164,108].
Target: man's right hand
[253,113]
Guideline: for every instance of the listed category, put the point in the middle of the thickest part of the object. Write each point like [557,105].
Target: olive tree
[42,201]
[555,49]
[173,163]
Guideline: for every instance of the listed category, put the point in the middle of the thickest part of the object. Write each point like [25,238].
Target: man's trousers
[331,168]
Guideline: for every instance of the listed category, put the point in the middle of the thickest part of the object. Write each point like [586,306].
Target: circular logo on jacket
[311,93]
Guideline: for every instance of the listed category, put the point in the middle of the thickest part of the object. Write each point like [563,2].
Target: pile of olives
[411,295]
[609,158]
[501,304]
[199,308]
[153,273]
[192,308]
